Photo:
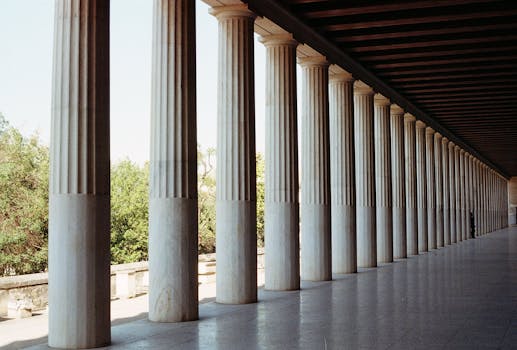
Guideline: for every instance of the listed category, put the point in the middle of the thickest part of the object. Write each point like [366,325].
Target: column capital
[278,40]
[409,117]
[429,130]
[381,100]
[456,148]
[231,11]
[338,74]
[420,124]
[462,151]
[360,88]
[396,110]
[445,140]
[438,135]
[312,61]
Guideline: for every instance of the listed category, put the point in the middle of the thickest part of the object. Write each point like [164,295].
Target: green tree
[260,199]
[129,212]
[24,168]
[206,201]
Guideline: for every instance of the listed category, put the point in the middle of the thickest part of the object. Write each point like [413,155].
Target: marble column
[452,197]
[421,186]
[446,192]
[236,221]
[79,208]
[398,182]
[173,234]
[342,170]
[316,263]
[282,228]
[431,188]
[383,195]
[457,190]
[482,188]
[463,184]
[411,188]
[469,194]
[475,171]
[365,175]
[480,196]
[438,173]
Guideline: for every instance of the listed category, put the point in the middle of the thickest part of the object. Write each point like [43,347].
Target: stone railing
[21,295]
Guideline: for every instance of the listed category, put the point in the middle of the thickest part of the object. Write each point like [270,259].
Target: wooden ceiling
[456,60]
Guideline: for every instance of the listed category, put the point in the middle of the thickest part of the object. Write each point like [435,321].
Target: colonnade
[376,183]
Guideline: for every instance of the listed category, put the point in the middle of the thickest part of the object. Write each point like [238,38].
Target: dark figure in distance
[472,226]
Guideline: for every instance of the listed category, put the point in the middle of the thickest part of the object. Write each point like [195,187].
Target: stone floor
[460,297]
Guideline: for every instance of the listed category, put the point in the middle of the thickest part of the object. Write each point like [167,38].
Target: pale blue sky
[26,39]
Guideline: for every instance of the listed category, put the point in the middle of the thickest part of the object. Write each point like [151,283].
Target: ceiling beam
[273,10]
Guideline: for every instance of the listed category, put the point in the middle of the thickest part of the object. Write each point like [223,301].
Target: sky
[26,41]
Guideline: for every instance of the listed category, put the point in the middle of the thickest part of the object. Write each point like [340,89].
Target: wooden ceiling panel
[454,59]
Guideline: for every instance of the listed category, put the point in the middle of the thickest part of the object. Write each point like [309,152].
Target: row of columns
[376,184]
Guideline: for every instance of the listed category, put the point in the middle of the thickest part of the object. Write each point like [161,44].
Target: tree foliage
[129,212]
[24,175]
[23,202]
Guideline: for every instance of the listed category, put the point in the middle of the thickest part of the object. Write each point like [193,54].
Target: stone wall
[127,281]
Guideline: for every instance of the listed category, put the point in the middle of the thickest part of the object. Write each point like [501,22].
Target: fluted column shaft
[365,175]
[431,188]
[452,197]
[482,199]
[463,183]
[475,172]
[411,184]
[383,193]
[457,190]
[469,195]
[398,182]
[421,186]
[438,176]
[446,192]
[173,236]
[282,228]
[342,170]
[315,203]
[79,208]
[236,225]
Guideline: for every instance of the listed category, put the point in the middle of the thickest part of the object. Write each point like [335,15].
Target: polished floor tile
[463,296]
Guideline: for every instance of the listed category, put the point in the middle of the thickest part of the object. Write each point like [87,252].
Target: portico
[380,179]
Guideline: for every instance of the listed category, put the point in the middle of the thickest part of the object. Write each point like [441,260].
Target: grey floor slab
[463,296]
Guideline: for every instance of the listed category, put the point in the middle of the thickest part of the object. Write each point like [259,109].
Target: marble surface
[463,296]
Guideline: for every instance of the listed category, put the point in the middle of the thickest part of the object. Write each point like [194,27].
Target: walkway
[460,297]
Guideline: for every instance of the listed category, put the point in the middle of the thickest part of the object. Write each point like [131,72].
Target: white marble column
[365,175]
[475,173]
[383,195]
[411,188]
[469,194]
[79,208]
[446,190]
[431,188]
[482,202]
[438,176]
[236,221]
[173,234]
[398,182]
[452,197]
[282,228]
[316,264]
[463,183]
[457,190]
[421,186]
[342,170]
